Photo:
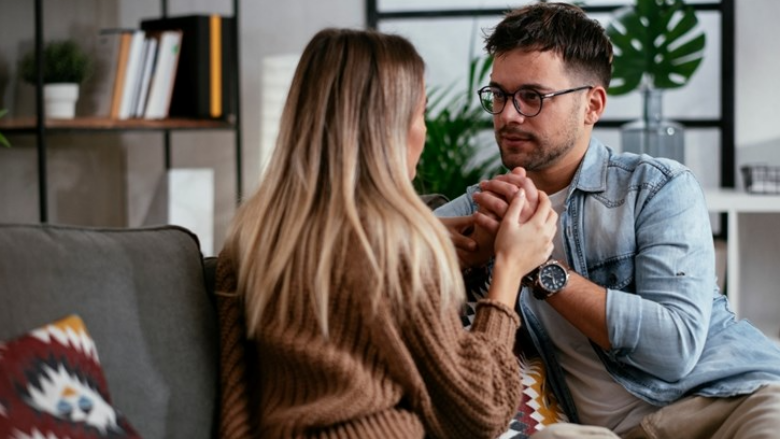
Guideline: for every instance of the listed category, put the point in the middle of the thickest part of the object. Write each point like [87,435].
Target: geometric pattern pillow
[52,386]
[538,406]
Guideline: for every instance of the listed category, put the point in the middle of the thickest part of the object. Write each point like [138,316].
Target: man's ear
[597,101]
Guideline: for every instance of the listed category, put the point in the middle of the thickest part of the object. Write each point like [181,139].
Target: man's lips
[516,140]
[515,136]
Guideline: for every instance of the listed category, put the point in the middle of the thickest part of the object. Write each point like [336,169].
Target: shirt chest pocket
[614,273]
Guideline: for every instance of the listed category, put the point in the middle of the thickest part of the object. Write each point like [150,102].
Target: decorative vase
[652,134]
[60,100]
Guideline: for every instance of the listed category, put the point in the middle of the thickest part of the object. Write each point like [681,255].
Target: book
[229,69]
[203,82]
[137,87]
[162,81]
[120,69]
[150,57]
[132,75]
[107,51]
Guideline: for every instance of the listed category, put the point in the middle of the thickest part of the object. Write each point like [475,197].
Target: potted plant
[657,46]
[65,66]
[454,157]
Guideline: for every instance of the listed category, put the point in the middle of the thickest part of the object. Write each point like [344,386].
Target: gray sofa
[146,298]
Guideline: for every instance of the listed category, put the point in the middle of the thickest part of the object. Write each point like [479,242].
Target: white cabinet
[753,255]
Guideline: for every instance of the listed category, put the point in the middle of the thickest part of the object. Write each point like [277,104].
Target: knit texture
[234,412]
[375,375]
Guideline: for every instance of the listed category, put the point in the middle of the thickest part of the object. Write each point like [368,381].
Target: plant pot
[60,100]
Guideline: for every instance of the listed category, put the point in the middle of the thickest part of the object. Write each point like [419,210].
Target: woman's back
[377,375]
[312,385]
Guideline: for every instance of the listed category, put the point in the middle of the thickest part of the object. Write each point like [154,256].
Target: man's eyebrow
[537,87]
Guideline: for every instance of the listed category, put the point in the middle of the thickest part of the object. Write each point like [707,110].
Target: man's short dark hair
[563,28]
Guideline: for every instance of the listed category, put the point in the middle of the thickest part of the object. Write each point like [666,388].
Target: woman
[350,285]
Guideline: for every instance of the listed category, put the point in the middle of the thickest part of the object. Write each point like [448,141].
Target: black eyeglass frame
[542,97]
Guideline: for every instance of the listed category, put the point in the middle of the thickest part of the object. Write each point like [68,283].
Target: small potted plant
[65,67]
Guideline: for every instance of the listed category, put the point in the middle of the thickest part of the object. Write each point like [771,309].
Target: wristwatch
[549,279]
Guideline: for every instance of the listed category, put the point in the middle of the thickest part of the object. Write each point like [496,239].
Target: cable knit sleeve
[472,379]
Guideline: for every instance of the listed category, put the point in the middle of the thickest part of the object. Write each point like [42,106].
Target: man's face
[535,143]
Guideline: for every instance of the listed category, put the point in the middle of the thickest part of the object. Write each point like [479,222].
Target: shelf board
[23,125]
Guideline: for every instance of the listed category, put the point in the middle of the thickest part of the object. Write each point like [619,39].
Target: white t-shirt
[599,399]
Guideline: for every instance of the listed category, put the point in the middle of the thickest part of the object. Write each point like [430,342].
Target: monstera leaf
[454,157]
[656,44]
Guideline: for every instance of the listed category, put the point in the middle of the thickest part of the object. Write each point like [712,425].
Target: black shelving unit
[726,123]
[41,127]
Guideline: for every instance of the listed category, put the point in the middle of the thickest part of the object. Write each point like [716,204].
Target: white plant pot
[60,100]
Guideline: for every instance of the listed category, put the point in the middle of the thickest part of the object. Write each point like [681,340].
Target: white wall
[758,140]
[758,81]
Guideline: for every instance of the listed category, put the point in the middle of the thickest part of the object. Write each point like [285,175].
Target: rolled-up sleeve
[461,206]
[668,317]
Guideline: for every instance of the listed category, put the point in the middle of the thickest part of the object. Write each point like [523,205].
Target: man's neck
[556,177]
[560,173]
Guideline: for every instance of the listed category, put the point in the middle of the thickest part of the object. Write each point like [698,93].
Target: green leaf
[63,61]
[656,43]
[449,162]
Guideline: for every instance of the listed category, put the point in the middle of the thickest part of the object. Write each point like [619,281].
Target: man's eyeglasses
[527,101]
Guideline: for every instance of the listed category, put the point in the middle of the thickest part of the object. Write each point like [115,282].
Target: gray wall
[116,179]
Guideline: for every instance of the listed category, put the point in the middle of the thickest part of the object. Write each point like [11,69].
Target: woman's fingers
[516,207]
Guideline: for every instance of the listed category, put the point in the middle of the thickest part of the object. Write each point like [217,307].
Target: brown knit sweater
[375,376]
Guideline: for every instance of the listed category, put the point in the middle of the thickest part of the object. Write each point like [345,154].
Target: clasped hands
[494,228]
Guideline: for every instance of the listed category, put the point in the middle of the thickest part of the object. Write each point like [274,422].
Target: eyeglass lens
[527,102]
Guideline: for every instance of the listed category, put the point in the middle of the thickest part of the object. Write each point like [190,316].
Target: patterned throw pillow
[52,386]
[538,406]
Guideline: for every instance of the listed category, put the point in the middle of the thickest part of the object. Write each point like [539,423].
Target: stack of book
[171,67]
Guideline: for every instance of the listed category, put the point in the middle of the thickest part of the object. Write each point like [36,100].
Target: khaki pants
[755,416]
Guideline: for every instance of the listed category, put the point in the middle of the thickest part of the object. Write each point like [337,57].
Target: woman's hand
[521,246]
[496,194]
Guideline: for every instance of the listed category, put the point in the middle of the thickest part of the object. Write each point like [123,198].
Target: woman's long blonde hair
[339,175]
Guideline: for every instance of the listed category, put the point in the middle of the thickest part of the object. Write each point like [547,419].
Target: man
[627,316]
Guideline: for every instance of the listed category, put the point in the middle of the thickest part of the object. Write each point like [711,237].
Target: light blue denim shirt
[639,226]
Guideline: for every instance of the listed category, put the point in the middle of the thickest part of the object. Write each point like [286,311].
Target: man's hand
[496,195]
[461,228]
[473,245]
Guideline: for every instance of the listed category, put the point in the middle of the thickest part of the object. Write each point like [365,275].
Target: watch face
[552,277]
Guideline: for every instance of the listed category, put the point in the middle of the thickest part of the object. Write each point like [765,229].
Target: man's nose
[509,114]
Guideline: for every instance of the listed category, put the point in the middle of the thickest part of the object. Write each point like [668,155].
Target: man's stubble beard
[545,153]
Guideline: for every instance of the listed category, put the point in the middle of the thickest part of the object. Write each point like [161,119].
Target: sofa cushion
[141,293]
[52,385]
